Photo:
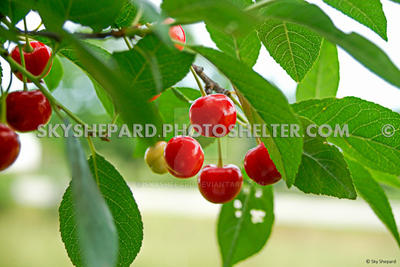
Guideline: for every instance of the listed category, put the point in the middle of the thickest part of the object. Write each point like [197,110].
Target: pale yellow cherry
[154,157]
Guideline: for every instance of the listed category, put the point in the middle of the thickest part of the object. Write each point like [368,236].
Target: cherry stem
[181,95]
[3,117]
[28,48]
[10,82]
[242,119]
[128,44]
[240,122]
[115,118]
[203,92]
[258,140]
[38,27]
[138,16]
[93,151]
[219,164]
[22,57]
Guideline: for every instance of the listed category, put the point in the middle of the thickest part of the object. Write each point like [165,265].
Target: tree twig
[210,85]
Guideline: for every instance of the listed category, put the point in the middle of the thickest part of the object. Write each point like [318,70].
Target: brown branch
[210,84]
[128,32]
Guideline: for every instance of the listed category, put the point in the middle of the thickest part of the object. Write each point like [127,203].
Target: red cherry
[259,166]
[35,61]
[9,146]
[178,34]
[184,156]
[155,97]
[220,185]
[26,110]
[214,114]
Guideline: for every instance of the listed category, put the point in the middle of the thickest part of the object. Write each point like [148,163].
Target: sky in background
[355,79]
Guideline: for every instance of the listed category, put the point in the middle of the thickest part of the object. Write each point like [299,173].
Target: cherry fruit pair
[184,158]
[25,110]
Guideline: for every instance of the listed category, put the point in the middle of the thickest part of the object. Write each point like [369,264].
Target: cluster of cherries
[25,110]
[183,156]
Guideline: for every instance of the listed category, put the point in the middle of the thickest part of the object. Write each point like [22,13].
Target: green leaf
[323,79]
[385,178]
[245,224]
[293,46]
[96,236]
[7,35]
[366,122]
[244,48]
[122,205]
[397,1]
[126,15]
[132,105]
[224,15]
[373,194]
[173,109]
[311,16]
[103,96]
[13,9]
[152,66]
[53,79]
[323,169]
[269,104]
[369,13]
[97,14]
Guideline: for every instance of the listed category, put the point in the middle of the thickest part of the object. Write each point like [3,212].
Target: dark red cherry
[220,185]
[35,61]
[26,110]
[259,166]
[184,156]
[9,146]
[214,114]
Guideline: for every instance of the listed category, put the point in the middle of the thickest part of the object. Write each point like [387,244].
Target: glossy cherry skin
[213,110]
[178,34]
[259,166]
[9,146]
[220,185]
[184,156]
[27,110]
[154,157]
[35,61]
